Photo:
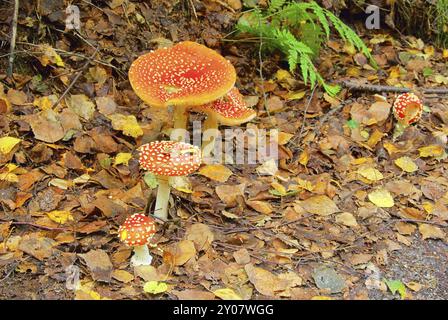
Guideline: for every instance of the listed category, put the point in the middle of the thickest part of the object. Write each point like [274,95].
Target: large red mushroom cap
[230,110]
[407,108]
[170,158]
[137,230]
[183,75]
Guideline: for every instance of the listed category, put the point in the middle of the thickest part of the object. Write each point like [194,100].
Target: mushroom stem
[209,145]
[141,256]
[180,118]
[163,197]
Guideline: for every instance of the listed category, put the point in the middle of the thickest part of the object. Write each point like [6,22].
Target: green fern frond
[284,26]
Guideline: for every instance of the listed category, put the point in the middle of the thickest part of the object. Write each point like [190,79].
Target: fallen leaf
[182,251]
[406,164]
[227,294]
[7,144]
[381,198]
[155,287]
[371,174]
[127,124]
[430,232]
[60,216]
[431,151]
[328,279]
[99,264]
[217,172]
[37,246]
[122,158]
[320,205]
[396,286]
[346,219]
[201,235]
[122,276]
[81,105]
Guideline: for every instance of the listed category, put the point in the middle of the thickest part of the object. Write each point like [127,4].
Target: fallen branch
[76,77]
[380,88]
[13,38]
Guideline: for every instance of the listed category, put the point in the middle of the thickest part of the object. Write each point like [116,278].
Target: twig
[34,225]
[13,37]
[193,8]
[329,113]
[439,224]
[380,88]
[304,114]
[76,77]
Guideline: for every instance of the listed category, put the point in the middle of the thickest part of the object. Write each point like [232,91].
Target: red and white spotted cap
[408,108]
[230,110]
[137,230]
[183,75]
[170,158]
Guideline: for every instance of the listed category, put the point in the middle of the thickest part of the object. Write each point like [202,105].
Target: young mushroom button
[407,108]
[137,232]
[168,159]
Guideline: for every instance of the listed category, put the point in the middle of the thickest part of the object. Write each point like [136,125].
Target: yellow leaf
[391,148]
[122,158]
[279,188]
[9,175]
[321,298]
[304,157]
[406,164]
[227,294]
[50,56]
[295,95]
[7,144]
[127,124]
[430,232]
[282,75]
[181,184]
[370,173]
[155,287]
[45,103]
[428,206]
[284,137]
[445,53]
[60,216]
[217,172]
[431,151]
[305,184]
[381,198]
[375,138]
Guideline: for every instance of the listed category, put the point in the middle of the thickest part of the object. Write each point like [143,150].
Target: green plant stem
[162,200]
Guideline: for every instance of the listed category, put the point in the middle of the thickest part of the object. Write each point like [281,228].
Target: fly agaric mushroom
[230,110]
[137,232]
[168,159]
[407,110]
[187,74]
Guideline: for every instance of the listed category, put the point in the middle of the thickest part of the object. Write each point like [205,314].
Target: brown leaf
[201,235]
[192,294]
[229,193]
[320,205]
[99,264]
[37,246]
[182,251]
[430,232]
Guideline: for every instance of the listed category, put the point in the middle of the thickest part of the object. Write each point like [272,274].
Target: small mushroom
[230,110]
[185,75]
[407,109]
[137,232]
[168,159]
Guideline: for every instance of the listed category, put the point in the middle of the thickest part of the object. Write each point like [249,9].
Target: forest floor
[318,226]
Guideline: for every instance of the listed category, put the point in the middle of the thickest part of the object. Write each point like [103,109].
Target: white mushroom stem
[180,117]
[141,256]
[162,200]
[208,143]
